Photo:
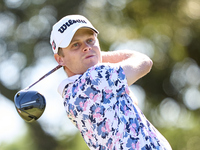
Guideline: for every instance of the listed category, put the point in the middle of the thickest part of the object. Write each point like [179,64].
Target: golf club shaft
[47,74]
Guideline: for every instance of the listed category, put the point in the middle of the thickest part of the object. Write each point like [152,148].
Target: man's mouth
[89,56]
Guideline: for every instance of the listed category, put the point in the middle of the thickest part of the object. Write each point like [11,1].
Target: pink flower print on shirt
[98,102]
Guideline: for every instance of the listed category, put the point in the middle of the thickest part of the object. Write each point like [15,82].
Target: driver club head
[29,104]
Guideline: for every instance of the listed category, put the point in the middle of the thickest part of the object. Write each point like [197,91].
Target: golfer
[96,93]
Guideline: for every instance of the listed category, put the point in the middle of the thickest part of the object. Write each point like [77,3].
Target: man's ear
[59,59]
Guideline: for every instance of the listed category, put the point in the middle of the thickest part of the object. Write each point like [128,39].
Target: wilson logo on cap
[69,23]
[53,45]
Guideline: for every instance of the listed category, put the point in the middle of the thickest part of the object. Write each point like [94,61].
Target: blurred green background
[168,31]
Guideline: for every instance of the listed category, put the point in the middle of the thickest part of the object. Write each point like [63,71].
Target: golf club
[30,105]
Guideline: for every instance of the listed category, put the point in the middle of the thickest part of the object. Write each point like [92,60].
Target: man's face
[83,52]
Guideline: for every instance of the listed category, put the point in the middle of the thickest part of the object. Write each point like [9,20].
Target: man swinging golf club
[96,93]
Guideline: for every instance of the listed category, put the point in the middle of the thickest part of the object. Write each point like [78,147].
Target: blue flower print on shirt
[99,104]
[91,91]
[80,102]
[106,97]
[103,128]
[74,89]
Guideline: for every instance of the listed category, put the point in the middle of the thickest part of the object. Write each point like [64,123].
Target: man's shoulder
[93,76]
[65,82]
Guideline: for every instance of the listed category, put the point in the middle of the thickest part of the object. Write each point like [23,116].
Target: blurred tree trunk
[42,140]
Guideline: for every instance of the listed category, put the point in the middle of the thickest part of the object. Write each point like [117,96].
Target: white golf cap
[64,30]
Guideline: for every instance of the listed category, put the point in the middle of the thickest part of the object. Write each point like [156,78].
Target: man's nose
[86,47]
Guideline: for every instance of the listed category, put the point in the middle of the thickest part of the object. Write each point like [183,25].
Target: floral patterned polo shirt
[99,105]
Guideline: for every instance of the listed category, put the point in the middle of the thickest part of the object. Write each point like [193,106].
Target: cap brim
[68,38]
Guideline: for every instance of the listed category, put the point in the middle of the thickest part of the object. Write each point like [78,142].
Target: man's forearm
[120,55]
[115,56]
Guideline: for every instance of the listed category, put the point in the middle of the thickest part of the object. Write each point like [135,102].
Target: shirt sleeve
[99,85]
[108,78]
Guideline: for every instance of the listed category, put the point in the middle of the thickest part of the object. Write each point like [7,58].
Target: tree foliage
[167,31]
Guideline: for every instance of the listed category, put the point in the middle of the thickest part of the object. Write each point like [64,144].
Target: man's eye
[75,45]
[90,40]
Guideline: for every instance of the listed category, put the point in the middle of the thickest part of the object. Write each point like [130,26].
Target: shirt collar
[62,85]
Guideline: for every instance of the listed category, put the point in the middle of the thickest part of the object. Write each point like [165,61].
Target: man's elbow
[148,63]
